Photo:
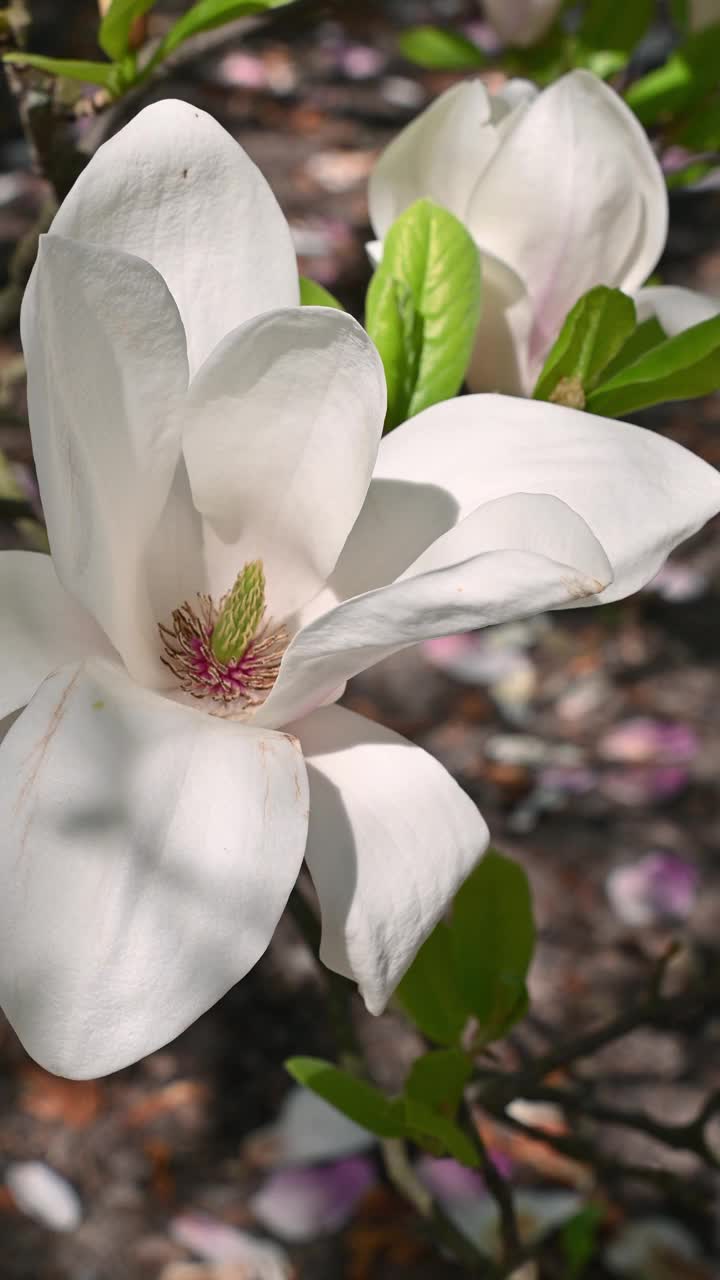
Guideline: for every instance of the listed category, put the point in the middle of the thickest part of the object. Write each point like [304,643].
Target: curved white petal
[148,850]
[107,370]
[640,494]
[676,308]
[391,839]
[500,355]
[512,558]
[174,188]
[440,155]
[283,427]
[41,627]
[521,22]
[573,198]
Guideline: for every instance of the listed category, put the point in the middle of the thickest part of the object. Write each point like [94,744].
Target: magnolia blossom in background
[560,190]
[521,22]
[231,542]
[703,13]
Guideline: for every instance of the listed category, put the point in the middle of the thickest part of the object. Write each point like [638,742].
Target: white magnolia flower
[560,190]
[522,22]
[178,753]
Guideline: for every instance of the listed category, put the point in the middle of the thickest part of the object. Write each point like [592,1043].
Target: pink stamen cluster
[188,653]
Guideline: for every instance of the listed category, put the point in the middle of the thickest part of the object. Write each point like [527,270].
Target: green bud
[240,614]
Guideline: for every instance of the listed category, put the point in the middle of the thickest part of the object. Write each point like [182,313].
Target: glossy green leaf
[115,28]
[690,73]
[493,935]
[680,368]
[649,334]
[593,333]
[439,1135]
[396,328]
[208,14]
[423,306]
[362,1102]
[440,50]
[429,994]
[313,294]
[438,1078]
[101,73]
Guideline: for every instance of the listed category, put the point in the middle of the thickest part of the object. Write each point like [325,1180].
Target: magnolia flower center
[226,652]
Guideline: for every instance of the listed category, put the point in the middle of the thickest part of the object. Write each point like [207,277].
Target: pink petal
[301,1204]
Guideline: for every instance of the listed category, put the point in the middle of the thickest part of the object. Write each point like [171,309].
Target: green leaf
[362,1102]
[592,335]
[429,994]
[493,936]
[680,368]
[313,294]
[438,1079]
[579,1240]
[440,50]
[423,305]
[437,1133]
[690,73]
[610,26]
[207,14]
[603,63]
[396,328]
[114,33]
[89,72]
[649,334]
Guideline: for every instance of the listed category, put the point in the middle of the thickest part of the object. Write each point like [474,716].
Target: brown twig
[655,1010]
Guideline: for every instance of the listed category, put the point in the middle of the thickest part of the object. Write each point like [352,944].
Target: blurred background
[591,741]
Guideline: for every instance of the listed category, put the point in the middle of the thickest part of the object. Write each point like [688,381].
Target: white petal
[521,22]
[676,309]
[300,1204]
[640,494]
[41,627]
[498,564]
[311,1131]
[573,198]
[283,429]
[440,155]
[391,839]
[174,188]
[107,369]
[500,355]
[44,1195]
[238,1255]
[149,851]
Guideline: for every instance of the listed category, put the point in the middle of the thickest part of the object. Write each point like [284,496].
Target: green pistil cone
[240,615]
